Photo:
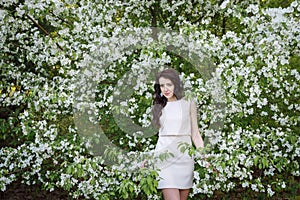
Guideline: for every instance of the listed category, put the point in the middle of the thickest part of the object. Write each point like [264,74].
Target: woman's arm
[196,137]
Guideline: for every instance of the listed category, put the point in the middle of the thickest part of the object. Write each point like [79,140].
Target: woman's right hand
[143,164]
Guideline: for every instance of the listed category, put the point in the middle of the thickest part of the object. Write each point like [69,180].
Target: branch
[42,29]
[154,22]
[198,20]
[223,25]
[179,13]
[63,20]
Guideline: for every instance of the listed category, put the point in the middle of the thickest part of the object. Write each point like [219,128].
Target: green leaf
[256,160]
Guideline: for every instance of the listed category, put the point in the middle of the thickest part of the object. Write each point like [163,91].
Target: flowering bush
[72,69]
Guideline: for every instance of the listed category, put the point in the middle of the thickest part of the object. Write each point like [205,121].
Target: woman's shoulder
[188,100]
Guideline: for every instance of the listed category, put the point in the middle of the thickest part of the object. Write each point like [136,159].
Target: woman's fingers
[143,164]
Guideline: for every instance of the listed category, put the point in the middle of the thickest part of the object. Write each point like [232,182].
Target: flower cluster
[74,70]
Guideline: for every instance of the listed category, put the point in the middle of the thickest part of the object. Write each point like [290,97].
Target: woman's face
[167,88]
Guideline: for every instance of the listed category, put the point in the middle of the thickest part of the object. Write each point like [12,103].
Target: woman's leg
[184,194]
[171,194]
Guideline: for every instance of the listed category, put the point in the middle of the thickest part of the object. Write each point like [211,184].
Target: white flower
[245,184]
[250,59]
[224,4]
[270,191]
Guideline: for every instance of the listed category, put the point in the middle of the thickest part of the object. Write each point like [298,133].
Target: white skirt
[176,171]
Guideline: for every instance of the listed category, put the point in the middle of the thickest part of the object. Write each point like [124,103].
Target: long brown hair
[159,101]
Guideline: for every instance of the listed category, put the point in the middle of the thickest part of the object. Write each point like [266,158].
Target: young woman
[176,118]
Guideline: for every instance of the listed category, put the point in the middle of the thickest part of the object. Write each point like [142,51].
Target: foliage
[53,53]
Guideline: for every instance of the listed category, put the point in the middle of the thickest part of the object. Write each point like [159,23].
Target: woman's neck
[172,99]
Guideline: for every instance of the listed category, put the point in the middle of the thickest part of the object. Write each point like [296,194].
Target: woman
[176,119]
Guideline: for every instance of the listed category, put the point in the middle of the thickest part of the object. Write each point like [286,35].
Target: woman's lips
[166,94]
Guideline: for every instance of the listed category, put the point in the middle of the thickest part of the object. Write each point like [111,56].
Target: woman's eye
[169,84]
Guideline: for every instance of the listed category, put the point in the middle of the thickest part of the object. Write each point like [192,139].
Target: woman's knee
[171,194]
